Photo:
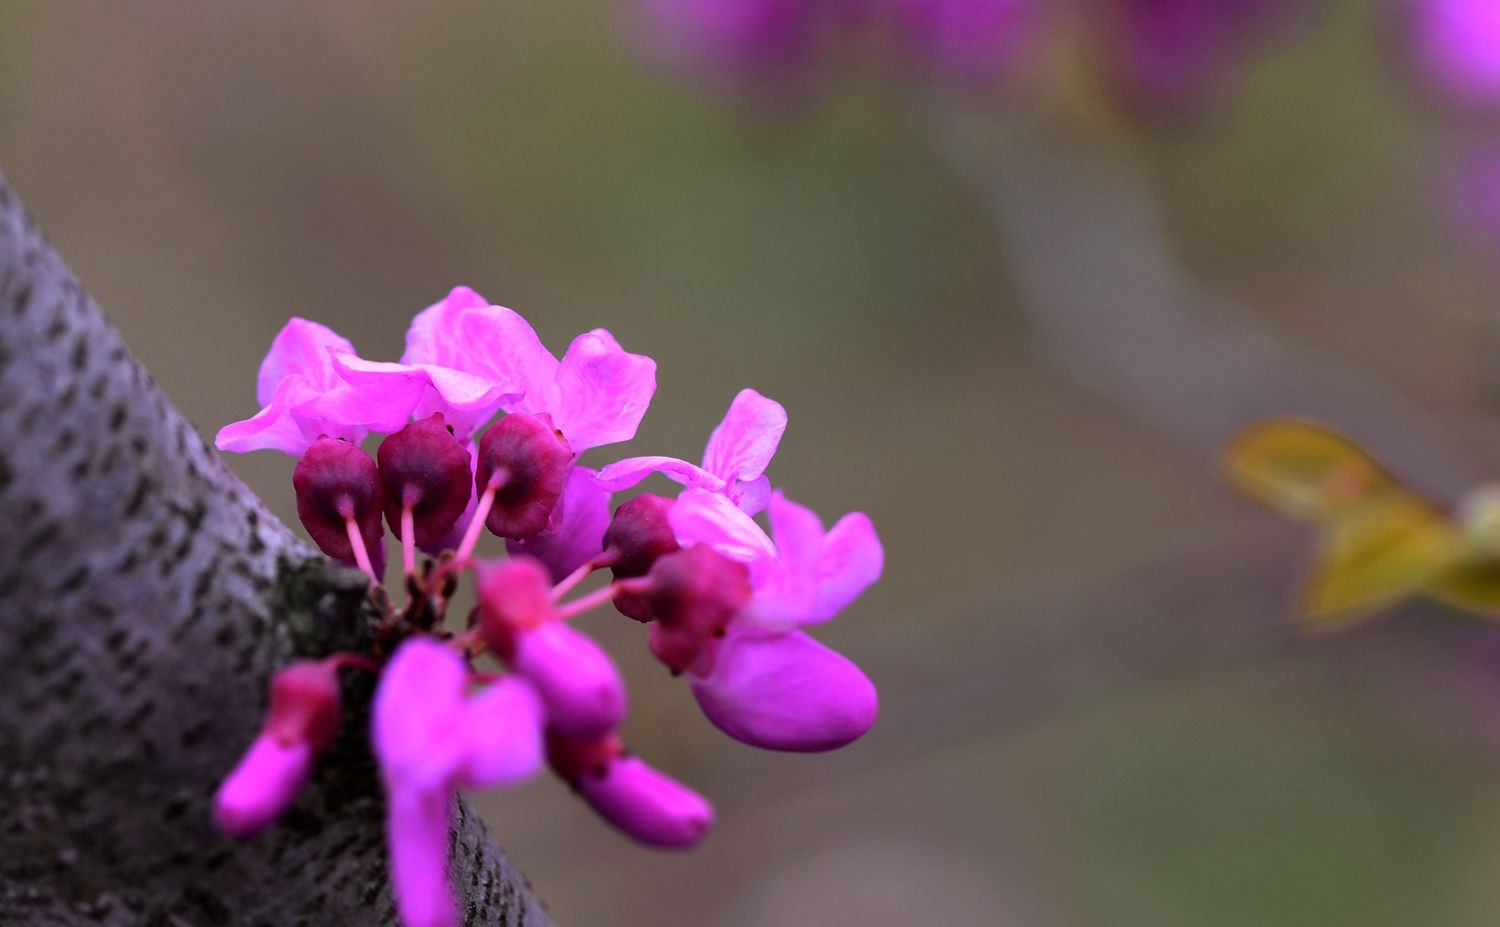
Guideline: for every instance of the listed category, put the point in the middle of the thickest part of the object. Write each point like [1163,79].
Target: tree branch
[145,598]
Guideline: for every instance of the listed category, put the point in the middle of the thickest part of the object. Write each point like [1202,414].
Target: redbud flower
[577,537]
[577,681]
[1454,47]
[769,684]
[304,396]
[523,466]
[646,804]
[340,503]
[734,462]
[428,484]
[637,536]
[431,740]
[302,719]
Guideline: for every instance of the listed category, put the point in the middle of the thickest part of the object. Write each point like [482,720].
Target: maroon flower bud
[572,758]
[693,593]
[337,482]
[425,468]
[529,461]
[305,705]
[638,535]
[515,596]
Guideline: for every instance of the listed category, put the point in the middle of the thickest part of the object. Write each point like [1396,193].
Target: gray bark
[145,598]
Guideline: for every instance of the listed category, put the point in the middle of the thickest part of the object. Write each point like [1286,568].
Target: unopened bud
[531,461]
[337,481]
[637,536]
[423,467]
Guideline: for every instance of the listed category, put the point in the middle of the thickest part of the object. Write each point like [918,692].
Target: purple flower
[767,683]
[578,536]
[1174,55]
[645,803]
[1454,47]
[432,739]
[734,462]
[969,41]
[304,396]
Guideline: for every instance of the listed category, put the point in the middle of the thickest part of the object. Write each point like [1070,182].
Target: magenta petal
[851,559]
[647,804]
[701,517]
[431,337]
[623,474]
[301,347]
[602,391]
[578,682]
[417,822]
[745,441]
[579,535]
[501,346]
[786,692]
[418,715]
[751,496]
[503,733]
[262,787]
[275,427]
[1455,48]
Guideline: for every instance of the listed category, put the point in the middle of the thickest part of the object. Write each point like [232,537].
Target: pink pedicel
[302,720]
[734,462]
[484,429]
[431,739]
[646,804]
[340,502]
[579,684]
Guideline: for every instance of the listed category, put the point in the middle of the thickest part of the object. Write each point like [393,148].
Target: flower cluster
[484,429]
[1163,55]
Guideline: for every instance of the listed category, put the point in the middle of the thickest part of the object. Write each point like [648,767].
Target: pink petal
[431,337]
[417,391]
[418,715]
[503,733]
[745,441]
[602,391]
[647,804]
[301,347]
[1455,49]
[577,681]
[787,593]
[786,692]
[751,496]
[498,345]
[279,426]
[262,787]
[623,474]
[579,535]
[851,560]
[702,517]
[417,822]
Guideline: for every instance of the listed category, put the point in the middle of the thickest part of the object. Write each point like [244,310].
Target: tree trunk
[145,598]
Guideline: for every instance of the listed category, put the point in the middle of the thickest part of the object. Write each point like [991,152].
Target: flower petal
[301,347]
[503,734]
[278,427]
[602,391]
[417,822]
[745,441]
[498,345]
[431,339]
[576,679]
[623,474]
[851,559]
[418,715]
[786,692]
[647,804]
[262,787]
[702,517]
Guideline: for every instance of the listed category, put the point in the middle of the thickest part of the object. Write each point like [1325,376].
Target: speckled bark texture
[145,597]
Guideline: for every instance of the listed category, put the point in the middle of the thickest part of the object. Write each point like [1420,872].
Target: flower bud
[579,684]
[693,593]
[530,460]
[262,787]
[515,597]
[336,481]
[645,803]
[306,706]
[425,468]
[637,536]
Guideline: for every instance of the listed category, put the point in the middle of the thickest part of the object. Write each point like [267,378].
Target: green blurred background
[1094,713]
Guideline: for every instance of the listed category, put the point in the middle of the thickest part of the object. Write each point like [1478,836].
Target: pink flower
[1454,46]
[595,395]
[304,396]
[734,462]
[578,536]
[970,41]
[432,739]
[641,801]
[764,681]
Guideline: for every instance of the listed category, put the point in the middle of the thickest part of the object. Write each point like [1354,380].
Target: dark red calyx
[305,705]
[574,757]
[424,467]
[637,536]
[514,597]
[336,480]
[692,594]
[532,461]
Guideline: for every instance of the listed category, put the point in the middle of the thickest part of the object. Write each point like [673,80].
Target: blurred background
[1015,327]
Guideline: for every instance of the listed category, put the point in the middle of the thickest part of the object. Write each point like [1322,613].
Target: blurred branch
[145,598]
[1099,284]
